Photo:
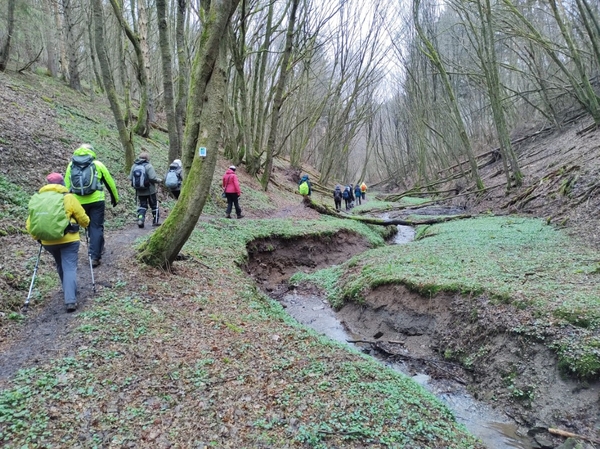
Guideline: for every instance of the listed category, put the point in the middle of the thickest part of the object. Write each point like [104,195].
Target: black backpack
[337,194]
[83,176]
[139,178]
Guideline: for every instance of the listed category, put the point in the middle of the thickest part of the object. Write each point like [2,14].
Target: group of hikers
[351,194]
[77,199]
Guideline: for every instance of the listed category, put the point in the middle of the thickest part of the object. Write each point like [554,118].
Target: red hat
[55,178]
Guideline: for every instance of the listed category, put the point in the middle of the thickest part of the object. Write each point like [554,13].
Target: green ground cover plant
[227,355]
[514,260]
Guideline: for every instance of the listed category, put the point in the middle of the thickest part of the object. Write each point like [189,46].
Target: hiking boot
[155,223]
[140,223]
[240,216]
[71,307]
[228,216]
[95,263]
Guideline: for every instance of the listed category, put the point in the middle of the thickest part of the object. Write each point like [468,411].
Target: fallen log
[328,210]
[564,433]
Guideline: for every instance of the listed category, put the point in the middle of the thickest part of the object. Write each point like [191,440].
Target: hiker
[337,197]
[346,197]
[351,192]
[85,178]
[358,194]
[304,186]
[174,178]
[143,180]
[363,191]
[231,189]
[54,219]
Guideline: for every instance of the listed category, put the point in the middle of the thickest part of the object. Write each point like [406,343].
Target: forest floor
[561,183]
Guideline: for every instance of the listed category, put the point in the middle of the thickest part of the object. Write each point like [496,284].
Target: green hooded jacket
[103,176]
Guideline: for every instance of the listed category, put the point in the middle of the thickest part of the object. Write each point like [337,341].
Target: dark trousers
[338,203]
[233,200]
[65,256]
[145,201]
[96,229]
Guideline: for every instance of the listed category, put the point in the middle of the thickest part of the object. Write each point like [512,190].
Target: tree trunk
[164,245]
[490,68]
[109,85]
[202,68]
[433,56]
[50,37]
[72,44]
[142,127]
[5,47]
[278,98]
[165,53]
[183,75]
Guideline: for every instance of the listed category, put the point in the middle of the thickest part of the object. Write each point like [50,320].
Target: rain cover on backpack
[139,178]
[303,188]
[83,176]
[47,217]
[172,180]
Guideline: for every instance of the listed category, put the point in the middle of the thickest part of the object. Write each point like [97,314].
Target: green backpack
[303,188]
[47,217]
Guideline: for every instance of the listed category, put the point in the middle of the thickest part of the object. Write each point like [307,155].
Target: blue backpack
[346,193]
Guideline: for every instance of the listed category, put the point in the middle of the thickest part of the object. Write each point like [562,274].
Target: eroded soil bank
[466,339]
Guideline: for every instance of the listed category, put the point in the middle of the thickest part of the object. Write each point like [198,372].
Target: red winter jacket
[231,184]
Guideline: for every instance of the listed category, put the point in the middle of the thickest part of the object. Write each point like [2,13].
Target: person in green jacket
[86,178]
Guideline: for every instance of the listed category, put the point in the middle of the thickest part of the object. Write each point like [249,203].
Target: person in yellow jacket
[65,249]
[86,178]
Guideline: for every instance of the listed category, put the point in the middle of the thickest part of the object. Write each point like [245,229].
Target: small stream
[487,424]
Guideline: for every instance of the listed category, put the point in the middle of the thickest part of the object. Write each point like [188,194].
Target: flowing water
[487,424]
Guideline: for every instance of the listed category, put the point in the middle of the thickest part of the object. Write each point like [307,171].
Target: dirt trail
[47,326]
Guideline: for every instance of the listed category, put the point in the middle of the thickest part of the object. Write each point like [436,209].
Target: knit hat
[232,167]
[55,178]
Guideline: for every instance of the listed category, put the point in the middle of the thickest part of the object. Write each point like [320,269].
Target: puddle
[492,428]
[482,421]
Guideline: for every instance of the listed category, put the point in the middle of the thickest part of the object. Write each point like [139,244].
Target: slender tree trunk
[165,53]
[72,44]
[109,85]
[93,53]
[183,65]
[432,54]
[5,46]
[278,98]
[50,37]
[258,107]
[142,127]
[490,67]
[206,118]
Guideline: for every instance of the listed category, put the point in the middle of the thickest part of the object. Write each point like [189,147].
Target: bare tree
[109,85]
[142,127]
[167,75]
[278,97]
[205,114]
[73,32]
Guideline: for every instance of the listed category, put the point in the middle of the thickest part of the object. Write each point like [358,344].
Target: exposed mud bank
[466,339]
[272,261]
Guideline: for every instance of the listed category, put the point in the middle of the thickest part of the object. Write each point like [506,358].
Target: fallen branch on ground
[327,210]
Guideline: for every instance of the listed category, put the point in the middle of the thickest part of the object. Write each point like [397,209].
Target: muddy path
[44,332]
[446,336]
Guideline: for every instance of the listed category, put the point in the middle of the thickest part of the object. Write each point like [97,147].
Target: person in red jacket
[231,188]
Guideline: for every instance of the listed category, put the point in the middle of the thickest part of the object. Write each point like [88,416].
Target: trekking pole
[87,241]
[37,262]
